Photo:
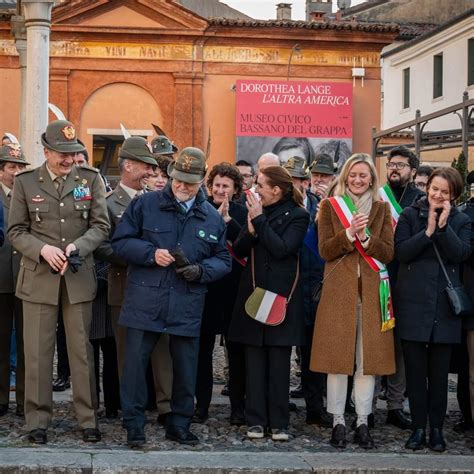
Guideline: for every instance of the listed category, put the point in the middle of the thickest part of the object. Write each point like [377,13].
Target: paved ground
[307,448]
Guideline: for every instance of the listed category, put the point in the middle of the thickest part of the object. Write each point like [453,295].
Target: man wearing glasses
[401,192]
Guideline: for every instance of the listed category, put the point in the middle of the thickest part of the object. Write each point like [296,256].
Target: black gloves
[75,261]
[180,258]
[183,267]
[190,272]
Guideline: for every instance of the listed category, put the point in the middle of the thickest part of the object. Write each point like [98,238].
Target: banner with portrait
[292,118]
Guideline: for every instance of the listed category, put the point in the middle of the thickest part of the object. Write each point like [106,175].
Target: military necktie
[59,183]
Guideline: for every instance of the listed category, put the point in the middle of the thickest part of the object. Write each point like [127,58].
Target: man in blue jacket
[175,243]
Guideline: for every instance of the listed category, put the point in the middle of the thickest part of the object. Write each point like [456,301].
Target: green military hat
[189,167]
[162,145]
[297,167]
[323,164]
[12,153]
[61,136]
[137,149]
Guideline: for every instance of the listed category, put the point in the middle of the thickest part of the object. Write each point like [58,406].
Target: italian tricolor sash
[345,210]
[386,195]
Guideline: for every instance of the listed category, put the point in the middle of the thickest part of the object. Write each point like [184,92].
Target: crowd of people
[357,276]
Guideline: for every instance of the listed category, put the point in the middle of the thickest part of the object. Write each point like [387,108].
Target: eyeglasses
[420,185]
[247,176]
[399,165]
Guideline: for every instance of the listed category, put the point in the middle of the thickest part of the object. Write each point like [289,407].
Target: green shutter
[437,75]
[470,62]
[406,88]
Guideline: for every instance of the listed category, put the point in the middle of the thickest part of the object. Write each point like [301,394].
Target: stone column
[19,32]
[38,26]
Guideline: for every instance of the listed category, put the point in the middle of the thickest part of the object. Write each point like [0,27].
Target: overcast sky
[266,9]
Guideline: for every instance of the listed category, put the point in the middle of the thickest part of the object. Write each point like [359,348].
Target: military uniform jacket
[9,257]
[117,203]
[39,216]
[157,298]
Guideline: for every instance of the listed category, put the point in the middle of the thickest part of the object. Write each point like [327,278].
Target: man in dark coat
[312,269]
[401,170]
[174,242]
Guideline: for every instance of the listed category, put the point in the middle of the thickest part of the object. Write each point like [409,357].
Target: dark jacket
[156,298]
[405,196]
[311,263]
[421,307]
[222,293]
[280,233]
[468,266]
[9,257]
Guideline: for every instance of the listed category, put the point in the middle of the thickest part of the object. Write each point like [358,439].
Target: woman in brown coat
[348,332]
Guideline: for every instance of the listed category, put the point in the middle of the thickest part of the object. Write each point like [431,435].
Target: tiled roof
[212,8]
[310,25]
[410,31]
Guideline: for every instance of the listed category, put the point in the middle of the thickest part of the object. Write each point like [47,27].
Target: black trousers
[236,355]
[205,373]
[427,369]
[110,380]
[133,392]
[11,314]
[63,369]
[267,385]
[312,382]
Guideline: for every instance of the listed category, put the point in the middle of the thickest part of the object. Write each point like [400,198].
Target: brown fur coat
[334,338]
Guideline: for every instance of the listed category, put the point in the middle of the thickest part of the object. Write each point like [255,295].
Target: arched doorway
[104,111]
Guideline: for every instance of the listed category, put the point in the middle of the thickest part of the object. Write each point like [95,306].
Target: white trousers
[363,384]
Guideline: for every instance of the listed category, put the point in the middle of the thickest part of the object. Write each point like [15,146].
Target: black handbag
[458,299]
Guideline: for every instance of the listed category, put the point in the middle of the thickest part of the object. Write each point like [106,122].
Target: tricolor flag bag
[265,306]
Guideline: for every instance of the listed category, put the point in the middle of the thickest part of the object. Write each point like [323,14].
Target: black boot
[417,440]
[436,442]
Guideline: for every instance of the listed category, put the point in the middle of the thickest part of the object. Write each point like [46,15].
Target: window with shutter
[470,62]
[437,75]
[406,88]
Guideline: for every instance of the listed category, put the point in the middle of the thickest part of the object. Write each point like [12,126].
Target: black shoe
[162,417]
[417,440]
[181,435]
[91,435]
[20,412]
[297,392]
[338,437]
[199,417]
[370,421]
[61,384]
[237,419]
[225,390]
[363,438]
[135,437]
[37,436]
[3,410]
[436,442]
[321,418]
[111,413]
[399,419]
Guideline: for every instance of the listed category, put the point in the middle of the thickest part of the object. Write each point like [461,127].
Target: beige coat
[334,338]
[39,216]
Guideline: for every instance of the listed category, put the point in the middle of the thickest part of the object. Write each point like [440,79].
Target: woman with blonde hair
[352,334]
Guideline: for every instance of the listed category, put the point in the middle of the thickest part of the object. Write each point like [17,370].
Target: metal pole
[374,144]
[417,134]
[465,127]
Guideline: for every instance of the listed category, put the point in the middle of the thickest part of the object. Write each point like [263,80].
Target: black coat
[421,307]
[280,233]
[468,266]
[405,196]
[222,293]
[311,263]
